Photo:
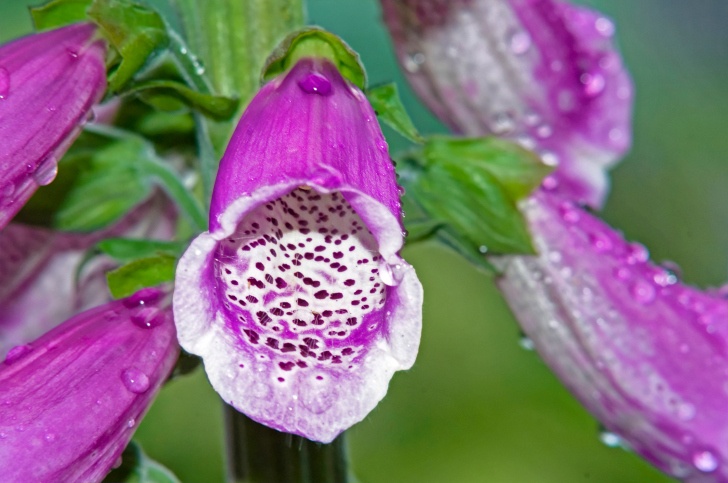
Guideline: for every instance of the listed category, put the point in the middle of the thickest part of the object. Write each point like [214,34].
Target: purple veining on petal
[543,73]
[48,85]
[297,299]
[646,354]
[72,399]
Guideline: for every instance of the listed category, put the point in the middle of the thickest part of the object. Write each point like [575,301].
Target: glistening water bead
[301,276]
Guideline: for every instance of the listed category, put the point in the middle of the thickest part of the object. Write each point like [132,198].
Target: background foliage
[477,407]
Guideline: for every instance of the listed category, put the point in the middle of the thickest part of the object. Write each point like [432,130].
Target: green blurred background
[476,407]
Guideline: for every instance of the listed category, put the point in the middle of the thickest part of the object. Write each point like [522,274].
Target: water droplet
[135,380]
[315,83]
[610,439]
[502,123]
[16,353]
[401,191]
[643,292]
[148,318]
[412,62]
[72,53]
[483,249]
[50,437]
[382,145]
[600,241]
[519,41]
[550,183]
[131,423]
[637,253]
[46,171]
[705,461]
[544,131]
[526,343]
[686,411]
[604,26]
[593,83]
[4,82]
[142,298]
[549,158]
[569,213]
[200,69]
[183,50]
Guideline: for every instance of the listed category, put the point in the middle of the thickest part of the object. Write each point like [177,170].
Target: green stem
[258,454]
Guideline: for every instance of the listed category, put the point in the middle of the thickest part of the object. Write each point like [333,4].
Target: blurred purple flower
[72,399]
[45,277]
[646,354]
[48,84]
[543,73]
[297,299]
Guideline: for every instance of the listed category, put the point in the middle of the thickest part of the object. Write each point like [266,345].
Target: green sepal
[128,249]
[389,108]
[137,32]
[518,170]
[58,13]
[170,95]
[141,273]
[137,467]
[318,43]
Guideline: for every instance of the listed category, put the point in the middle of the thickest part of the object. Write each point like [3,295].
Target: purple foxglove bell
[48,85]
[646,354]
[71,400]
[541,72]
[41,283]
[297,299]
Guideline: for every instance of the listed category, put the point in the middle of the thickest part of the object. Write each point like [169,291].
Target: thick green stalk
[258,454]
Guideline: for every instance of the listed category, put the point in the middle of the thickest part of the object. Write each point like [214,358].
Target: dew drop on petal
[643,292]
[413,61]
[4,83]
[519,41]
[315,83]
[705,461]
[610,439]
[16,353]
[46,171]
[135,380]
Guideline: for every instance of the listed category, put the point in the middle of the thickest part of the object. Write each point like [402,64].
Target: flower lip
[297,299]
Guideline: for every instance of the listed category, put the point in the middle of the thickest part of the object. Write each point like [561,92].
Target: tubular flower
[644,353]
[541,72]
[41,280]
[296,298]
[48,84]
[72,398]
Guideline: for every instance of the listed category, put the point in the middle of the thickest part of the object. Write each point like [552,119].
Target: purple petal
[297,299]
[73,398]
[646,354]
[541,72]
[40,282]
[48,85]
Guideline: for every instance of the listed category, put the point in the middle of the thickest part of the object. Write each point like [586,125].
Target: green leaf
[137,467]
[128,249]
[160,92]
[136,31]
[59,13]
[388,106]
[517,170]
[141,273]
[315,42]
[475,208]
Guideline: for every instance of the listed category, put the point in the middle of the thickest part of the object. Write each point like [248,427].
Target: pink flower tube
[48,84]
[297,299]
[71,400]
[646,354]
[541,72]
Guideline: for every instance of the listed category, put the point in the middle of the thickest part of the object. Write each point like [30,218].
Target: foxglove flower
[48,85]
[296,298]
[71,399]
[646,354]
[45,279]
[540,72]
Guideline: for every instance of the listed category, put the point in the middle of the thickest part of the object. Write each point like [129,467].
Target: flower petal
[48,85]
[646,354]
[541,72]
[297,299]
[41,281]
[73,398]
